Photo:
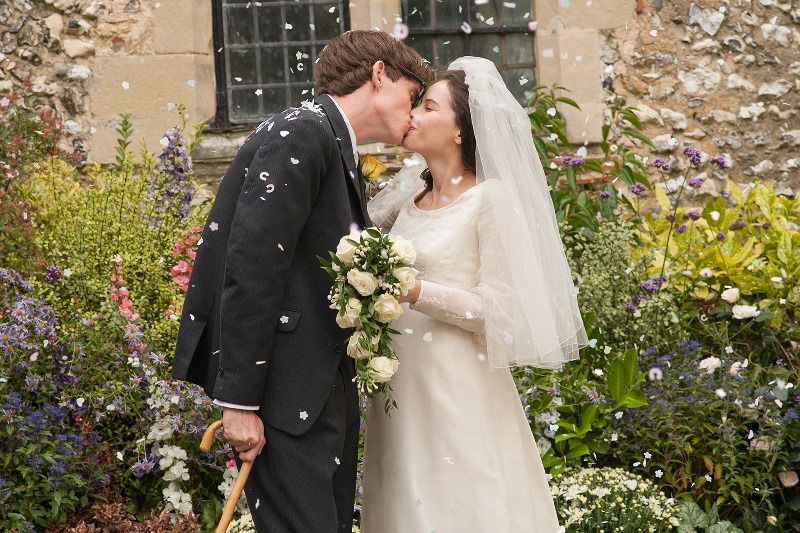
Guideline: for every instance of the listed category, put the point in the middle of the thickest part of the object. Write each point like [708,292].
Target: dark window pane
[274,100]
[486,45]
[423,44]
[301,94]
[272,65]
[301,64]
[520,81]
[484,16]
[449,14]
[417,13]
[298,17]
[270,26]
[448,48]
[239,26]
[242,66]
[244,104]
[237,2]
[326,23]
[519,48]
[519,15]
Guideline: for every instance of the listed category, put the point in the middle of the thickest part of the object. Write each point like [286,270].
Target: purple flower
[694,215]
[629,307]
[660,163]
[720,236]
[638,298]
[52,273]
[781,363]
[638,188]
[695,156]
[144,466]
[694,182]
[594,396]
[605,194]
[720,162]
[680,228]
[670,216]
[737,224]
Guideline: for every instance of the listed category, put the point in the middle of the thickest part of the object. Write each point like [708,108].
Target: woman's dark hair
[459,95]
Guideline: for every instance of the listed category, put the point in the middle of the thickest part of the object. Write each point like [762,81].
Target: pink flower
[114,296]
[191,253]
[123,291]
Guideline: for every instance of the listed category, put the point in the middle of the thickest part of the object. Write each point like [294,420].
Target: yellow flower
[370,167]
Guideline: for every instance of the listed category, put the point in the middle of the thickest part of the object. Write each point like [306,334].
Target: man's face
[393,104]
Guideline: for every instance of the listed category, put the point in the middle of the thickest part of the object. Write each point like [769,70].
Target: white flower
[354,348]
[736,368]
[351,314]
[598,372]
[706,273]
[745,311]
[730,295]
[364,282]
[710,364]
[729,349]
[387,308]
[714,215]
[345,250]
[407,276]
[381,369]
[404,250]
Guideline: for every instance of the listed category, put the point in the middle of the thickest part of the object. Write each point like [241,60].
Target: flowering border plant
[370,270]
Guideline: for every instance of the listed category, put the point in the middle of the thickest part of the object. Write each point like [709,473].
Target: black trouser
[306,484]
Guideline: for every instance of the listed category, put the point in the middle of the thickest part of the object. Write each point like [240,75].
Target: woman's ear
[458,137]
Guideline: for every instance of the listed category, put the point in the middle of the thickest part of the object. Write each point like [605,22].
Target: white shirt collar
[349,129]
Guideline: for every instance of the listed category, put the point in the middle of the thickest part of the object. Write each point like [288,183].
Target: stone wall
[92,60]
[723,75]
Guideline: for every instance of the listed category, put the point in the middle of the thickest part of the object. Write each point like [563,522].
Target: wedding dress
[457,454]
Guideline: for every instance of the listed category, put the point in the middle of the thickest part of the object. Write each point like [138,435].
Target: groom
[256,330]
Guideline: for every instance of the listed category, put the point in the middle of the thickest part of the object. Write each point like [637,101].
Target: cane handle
[208,436]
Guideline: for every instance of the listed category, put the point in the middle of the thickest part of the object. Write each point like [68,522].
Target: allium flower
[720,162]
[694,215]
[638,188]
[629,307]
[670,216]
[52,273]
[721,236]
[694,182]
[680,228]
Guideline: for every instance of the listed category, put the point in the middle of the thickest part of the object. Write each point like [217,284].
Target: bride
[457,455]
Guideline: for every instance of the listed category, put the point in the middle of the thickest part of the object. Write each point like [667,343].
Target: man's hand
[244,431]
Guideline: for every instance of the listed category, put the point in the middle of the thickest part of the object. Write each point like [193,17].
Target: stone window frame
[435,31]
[222,119]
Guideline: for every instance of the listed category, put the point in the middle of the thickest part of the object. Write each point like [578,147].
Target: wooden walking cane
[241,479]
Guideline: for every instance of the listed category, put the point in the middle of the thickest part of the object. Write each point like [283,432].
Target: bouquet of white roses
[370,269]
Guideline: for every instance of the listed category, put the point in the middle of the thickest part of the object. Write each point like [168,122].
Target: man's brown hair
[345,64]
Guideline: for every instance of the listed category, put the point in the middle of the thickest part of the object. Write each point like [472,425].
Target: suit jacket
[256,327]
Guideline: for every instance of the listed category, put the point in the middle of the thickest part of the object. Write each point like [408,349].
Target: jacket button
[221,372]
[338,348]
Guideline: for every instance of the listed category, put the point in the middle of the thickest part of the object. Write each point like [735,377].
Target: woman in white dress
[494,291]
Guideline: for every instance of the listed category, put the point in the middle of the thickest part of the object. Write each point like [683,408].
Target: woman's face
[433,124]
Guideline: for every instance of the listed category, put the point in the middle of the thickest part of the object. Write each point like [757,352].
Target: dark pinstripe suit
[256,328]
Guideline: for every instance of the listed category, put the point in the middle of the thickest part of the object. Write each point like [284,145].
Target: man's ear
[378,73]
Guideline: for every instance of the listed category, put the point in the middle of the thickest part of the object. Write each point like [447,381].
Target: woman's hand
[412,295]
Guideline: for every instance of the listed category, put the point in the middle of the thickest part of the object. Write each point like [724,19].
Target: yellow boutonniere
[370,167]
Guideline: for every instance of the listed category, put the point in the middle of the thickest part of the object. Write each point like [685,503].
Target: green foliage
[692,519]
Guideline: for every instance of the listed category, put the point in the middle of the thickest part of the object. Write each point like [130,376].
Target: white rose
[351,314]
[381,369]
[745,311]
[730,295]
[737,367]
[407,276]
[364,282]
[345,250]
[387,308]
[710,364]
[404,250]
[354,348]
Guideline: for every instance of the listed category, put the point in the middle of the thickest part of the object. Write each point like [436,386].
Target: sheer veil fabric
[531,309]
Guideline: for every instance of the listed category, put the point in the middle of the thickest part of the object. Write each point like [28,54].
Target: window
[442,31]
[265,54]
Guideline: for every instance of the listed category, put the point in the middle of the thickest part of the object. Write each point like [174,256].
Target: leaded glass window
[266,54]
[442,31]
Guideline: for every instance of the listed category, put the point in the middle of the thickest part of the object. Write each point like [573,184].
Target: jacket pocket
[288,320]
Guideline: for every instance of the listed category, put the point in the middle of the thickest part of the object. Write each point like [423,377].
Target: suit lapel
[353,176]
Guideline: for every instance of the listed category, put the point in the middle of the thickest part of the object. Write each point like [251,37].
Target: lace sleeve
[459,307]
[402,188]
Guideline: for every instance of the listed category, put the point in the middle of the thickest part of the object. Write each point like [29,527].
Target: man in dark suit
[256,330]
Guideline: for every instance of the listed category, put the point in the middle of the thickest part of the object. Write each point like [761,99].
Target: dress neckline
[440,209]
